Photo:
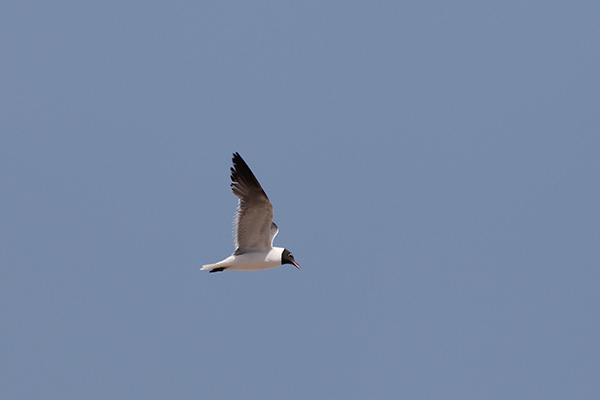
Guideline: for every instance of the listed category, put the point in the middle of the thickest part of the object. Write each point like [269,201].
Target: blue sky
[433,166]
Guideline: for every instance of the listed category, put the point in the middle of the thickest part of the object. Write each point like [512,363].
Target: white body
[250,261]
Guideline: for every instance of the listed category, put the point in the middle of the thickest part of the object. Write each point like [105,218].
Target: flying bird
[254,227]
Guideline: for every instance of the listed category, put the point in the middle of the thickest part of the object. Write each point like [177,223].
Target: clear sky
[434,167]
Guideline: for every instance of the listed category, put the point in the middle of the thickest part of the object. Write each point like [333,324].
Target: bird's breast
[256,261]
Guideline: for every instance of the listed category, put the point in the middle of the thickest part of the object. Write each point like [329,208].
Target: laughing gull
[254,226]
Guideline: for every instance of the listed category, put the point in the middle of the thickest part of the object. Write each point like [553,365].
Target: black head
[288,258]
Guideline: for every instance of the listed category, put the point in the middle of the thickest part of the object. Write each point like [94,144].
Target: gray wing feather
[254,219]
[274,232]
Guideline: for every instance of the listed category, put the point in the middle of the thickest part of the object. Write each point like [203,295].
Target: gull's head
[288,258]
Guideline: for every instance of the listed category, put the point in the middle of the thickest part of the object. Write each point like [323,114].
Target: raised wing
[254,218]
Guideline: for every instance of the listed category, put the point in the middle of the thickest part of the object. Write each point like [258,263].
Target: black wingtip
[220,269]
[238,164]
[242,174]
[237,159]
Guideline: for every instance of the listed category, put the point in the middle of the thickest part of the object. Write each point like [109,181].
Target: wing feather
[254,218]
[274,232]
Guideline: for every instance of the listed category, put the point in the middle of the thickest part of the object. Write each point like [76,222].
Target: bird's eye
[291,255]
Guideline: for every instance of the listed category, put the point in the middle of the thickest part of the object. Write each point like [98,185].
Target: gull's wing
[274,232]
[254,218]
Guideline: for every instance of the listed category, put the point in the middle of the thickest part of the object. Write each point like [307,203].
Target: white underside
[250,261]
